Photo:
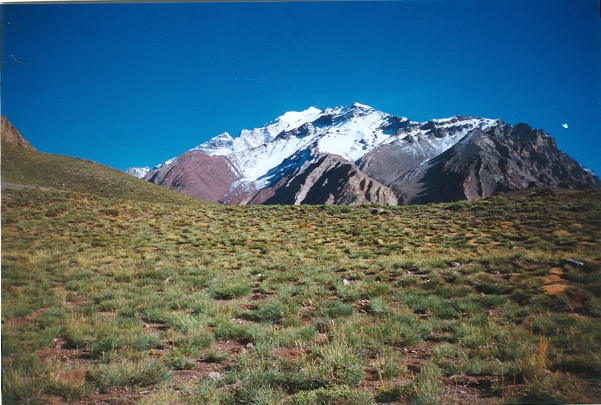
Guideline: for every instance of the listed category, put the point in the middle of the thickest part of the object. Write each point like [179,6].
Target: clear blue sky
[135,84]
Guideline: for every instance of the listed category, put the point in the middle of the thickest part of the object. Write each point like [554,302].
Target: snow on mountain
[256,163]
[349,132]
[139,172]
[439,134]
[288,121]
[222,144]
[357,134]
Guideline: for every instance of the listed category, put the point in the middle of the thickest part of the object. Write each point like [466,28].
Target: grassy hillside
[30,167]
[115,300]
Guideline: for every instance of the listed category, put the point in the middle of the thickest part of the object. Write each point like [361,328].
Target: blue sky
[135,84]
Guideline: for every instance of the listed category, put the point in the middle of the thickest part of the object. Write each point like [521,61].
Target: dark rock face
[10,134]
[329,179]
[196,174]
[501,159]
[413,145]
[389,162]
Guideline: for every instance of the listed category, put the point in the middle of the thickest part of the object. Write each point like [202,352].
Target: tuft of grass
[331,396]
[18,387]
[390,392]
[428,386]
[228,292]
[178,360]
[216,356]
[387,365]
[122,374]
[274,311]
[341,365]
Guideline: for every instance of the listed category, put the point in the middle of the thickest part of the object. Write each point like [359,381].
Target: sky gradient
[136,84]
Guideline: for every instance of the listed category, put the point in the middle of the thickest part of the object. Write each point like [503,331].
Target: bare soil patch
[60,352]
[415,356]
[290,354]
[554,289]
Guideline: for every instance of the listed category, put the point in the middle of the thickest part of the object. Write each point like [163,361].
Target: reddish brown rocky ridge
[10,134]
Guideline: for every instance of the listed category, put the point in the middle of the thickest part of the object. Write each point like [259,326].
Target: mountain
[500,159]
[10,134]
[356,154]
[197,174]
[326,179]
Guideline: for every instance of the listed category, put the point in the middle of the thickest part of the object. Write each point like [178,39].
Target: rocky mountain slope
[501,159]
[327,179]
[356,154]
[197,174]
[10,134]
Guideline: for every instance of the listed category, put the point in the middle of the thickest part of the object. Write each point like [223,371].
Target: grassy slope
[30,167]
[107,299]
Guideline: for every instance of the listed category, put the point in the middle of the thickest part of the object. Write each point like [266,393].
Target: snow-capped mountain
[369,156]
[139,172]
[349,132]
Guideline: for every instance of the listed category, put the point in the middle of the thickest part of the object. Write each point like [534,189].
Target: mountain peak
[222,144]
[249,139]
[10,134]
[292,118]
[361,106]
